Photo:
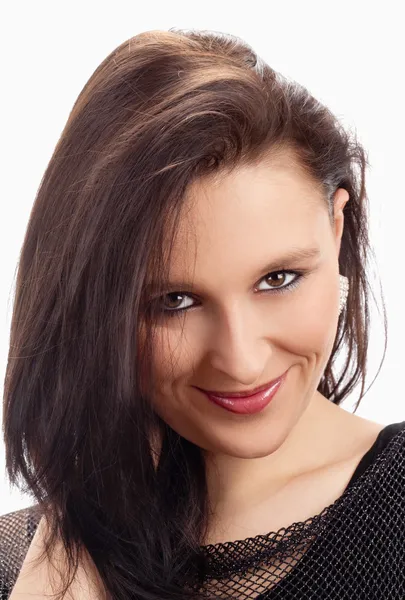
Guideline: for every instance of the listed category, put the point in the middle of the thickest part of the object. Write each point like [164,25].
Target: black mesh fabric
[17,530]
[354,549]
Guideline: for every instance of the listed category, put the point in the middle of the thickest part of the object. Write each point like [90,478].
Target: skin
[237,337]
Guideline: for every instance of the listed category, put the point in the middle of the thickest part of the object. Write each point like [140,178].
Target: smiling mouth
[243,394]
[247,405]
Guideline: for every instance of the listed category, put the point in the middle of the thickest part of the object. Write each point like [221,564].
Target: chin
[245,444]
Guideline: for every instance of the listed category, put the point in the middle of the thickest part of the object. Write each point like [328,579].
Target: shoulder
[373,438]
[27,578]
[17,530]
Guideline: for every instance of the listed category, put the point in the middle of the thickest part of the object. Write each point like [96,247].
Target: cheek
[172,357]
[172,364]
[312,322]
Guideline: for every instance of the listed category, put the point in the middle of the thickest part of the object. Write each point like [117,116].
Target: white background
[350,55]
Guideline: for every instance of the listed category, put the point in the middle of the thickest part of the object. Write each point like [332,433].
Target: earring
[344,291]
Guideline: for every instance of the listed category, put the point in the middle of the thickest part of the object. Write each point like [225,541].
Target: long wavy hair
[162,110]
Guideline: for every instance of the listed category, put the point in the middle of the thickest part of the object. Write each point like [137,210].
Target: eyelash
[281,290]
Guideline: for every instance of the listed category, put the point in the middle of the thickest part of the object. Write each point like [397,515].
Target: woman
[200,232]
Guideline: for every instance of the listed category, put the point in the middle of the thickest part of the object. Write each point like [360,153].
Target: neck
[308,445]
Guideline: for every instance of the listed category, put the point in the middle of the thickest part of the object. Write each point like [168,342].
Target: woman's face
[238,330]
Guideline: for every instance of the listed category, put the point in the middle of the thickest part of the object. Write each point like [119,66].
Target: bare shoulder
[357,436]
[35,581]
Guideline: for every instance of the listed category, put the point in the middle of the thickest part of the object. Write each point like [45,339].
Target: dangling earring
[344,291]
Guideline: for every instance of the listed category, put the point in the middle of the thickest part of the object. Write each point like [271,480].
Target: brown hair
[162,110]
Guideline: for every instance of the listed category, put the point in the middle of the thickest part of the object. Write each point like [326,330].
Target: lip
[252,392]
[251,404]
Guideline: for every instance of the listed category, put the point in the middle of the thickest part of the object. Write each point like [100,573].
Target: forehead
[271,204]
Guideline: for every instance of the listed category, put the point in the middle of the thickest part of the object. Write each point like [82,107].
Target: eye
[171,303]
[277,279]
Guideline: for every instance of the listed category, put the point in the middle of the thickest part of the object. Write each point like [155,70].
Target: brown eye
[173,301]
[281,281]
[276,279]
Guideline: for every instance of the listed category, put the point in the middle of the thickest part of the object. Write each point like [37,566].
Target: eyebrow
[293,256]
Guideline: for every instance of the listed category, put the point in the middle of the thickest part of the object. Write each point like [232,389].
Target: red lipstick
[247,404]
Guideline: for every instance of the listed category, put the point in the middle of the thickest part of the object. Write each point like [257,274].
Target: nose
[240,348]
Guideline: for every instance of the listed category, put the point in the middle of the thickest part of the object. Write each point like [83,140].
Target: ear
[339,201]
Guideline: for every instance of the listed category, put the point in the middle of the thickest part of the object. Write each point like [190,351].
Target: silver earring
[344,291]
